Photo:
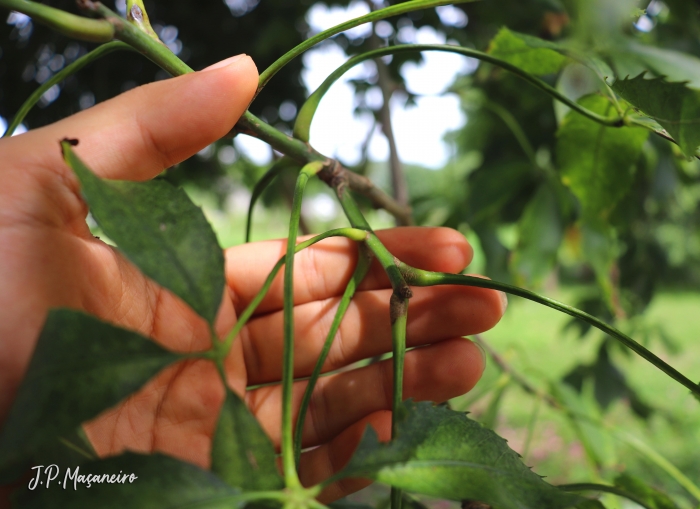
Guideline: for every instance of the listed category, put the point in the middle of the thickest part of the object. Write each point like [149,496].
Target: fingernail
[504,301]
[224,63]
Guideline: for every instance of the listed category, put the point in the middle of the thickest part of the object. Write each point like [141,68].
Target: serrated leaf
[675,65]
[675,106]
[242,454]
[161,231]
[161,482]
[651,496]
[529,53]
[81,366]
[540,231]
[596,162]
[439,452]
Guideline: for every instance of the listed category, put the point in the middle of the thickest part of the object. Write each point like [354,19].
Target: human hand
[48,258]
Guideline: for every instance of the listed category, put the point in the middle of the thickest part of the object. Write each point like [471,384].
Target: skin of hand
[48,258]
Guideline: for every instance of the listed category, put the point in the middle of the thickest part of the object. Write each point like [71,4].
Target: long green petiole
[364,261]
[420,277]
[78,27]
[387,12]
[398,312]
[288,464]
[262,184]
[64,73]
[302,125]
[350,233]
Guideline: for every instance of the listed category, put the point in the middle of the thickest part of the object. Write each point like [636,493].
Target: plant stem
[67,71]
[606,489]
[394,10]
[420,277]
[136,14]
[77,27]
[306,112]
[139,39]
[350,233]
[364,262]
[260,186]
[398,312]
[288,464]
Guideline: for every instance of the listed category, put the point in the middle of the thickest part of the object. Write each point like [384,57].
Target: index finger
[324,269]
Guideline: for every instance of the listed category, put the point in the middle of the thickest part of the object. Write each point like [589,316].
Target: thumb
[138,134]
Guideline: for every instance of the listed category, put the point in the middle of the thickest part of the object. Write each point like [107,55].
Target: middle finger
[435,314]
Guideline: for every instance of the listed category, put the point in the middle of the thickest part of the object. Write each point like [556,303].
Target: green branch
[398,314]
[420,277]
[387,12]
[288,464]
[303,123]
[138,38]
[364,262]
[260,187]
[77,27]
[350,233]
[136,14]
[67,71]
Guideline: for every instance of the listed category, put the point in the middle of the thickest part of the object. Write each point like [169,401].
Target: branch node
[398,306]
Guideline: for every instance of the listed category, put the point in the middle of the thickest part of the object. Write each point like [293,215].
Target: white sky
[419,130]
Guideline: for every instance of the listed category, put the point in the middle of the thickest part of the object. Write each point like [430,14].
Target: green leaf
[441,453]
[675,65]
[81,366]
[161,231]
[597,162]
[160,482]
[541,231]
[242,454]
[529,53]
[675,106]
[653,497]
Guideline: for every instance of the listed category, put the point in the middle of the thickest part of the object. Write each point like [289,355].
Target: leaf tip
[72,142]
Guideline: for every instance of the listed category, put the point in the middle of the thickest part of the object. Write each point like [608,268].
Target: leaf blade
[529,53]
[442,453]
[597,162]
[81,366]
[674,105]
[161,231]
[242,454]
